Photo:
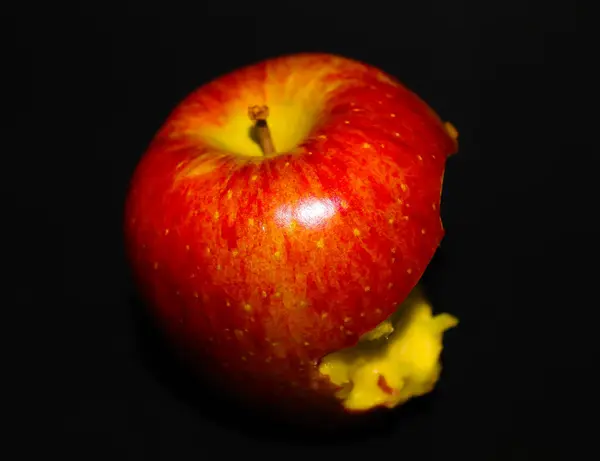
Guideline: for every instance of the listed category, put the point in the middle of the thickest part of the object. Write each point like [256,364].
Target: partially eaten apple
[277,222]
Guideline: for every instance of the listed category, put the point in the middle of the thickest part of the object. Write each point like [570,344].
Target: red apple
[264,247]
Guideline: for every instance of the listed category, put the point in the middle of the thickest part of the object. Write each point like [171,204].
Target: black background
[88,91]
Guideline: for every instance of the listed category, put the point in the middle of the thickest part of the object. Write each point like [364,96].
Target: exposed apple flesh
[394,362]
[261,265]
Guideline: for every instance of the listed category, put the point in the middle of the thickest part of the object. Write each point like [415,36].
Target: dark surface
[92,379]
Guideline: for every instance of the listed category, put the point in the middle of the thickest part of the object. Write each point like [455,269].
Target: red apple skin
[260,266]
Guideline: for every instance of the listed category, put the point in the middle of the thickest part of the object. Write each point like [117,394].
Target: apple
[278,225]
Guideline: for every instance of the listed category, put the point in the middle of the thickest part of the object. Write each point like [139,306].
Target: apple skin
[256,266]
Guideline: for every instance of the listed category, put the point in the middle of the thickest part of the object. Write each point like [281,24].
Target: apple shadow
[163,364]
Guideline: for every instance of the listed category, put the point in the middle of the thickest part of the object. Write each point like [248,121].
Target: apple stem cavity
[262,133]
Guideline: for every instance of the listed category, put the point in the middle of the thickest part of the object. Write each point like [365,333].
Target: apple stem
[259,115]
